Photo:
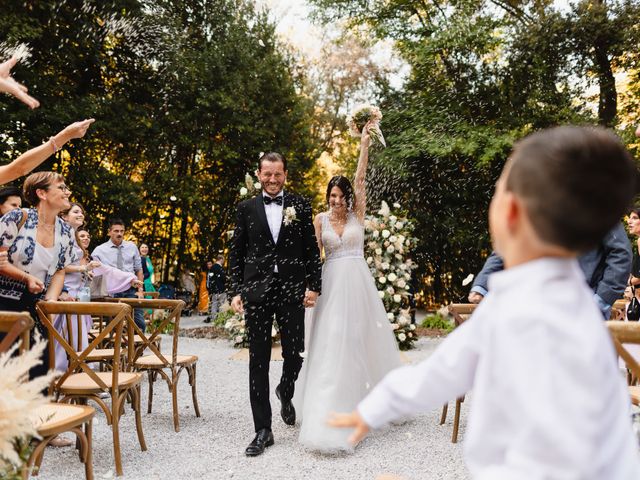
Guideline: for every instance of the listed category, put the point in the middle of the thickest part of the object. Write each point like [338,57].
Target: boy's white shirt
[548,399]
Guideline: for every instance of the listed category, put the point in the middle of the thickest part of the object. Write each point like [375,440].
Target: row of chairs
[621,333]
[124,352]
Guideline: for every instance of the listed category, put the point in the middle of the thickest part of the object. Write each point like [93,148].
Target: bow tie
[269,200]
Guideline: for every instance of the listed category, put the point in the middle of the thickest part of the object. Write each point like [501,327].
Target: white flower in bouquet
[394,326]
[384,209]
[228,325]
[396,205]
[244,191]
[401,283]
[402,321]
[393,219]
[386,233]
[410,335]
[382,279]
[248,181]
[391,249]
[408,243]
[363,115]
[402,266]
[390,316]
[402,337]
[399,225]
[242,331]
[375,234]
[390,290]
[412,327]
[398,256]
[380,293]
[257,185]
[392,277]
[369,260]
[378,251]
[397,298]
[238,339]
[393,239]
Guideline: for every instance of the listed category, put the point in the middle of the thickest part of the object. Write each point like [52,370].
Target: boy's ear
[514,210]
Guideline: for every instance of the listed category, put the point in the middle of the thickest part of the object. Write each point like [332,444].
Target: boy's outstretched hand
[350,420]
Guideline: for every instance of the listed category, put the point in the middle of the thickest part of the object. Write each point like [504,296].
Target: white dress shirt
[274,216]
[548,399]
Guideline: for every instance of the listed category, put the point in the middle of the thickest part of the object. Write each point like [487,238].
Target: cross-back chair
[80,383]
[623,333]
[155,363]
[51,419]
[460,312]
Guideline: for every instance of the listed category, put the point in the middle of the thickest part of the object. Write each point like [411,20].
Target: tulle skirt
[351,348]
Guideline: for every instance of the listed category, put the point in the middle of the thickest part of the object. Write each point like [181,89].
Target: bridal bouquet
[251,187]
[362,115]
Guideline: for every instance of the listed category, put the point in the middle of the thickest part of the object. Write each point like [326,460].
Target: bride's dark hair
[344,185]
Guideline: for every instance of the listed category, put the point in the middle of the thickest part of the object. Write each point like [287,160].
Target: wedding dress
[352,346]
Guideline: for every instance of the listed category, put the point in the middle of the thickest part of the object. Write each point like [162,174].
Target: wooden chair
[460,312]
[627,332]
[54,418]
[155,363]
[80,383]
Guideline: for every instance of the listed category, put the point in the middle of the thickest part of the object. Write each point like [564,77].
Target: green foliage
[437,321]
[186,94]
[223,317]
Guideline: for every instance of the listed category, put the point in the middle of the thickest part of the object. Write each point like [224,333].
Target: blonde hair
[39,181]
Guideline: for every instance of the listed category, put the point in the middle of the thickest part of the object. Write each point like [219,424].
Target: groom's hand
[236,304]
[350,420]
[310,299]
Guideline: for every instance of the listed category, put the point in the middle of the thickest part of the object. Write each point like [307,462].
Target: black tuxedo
[265,293]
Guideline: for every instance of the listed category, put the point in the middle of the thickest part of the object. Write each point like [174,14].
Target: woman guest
[77,276]
[147,268]
[10,199]
[40,245]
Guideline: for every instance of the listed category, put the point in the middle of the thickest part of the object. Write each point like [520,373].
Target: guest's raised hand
[77,129]
[10,86]
[365,139]
[350,420]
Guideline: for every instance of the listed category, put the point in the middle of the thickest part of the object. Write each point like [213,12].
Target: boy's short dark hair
[575,182]
[272,157]
[116,221]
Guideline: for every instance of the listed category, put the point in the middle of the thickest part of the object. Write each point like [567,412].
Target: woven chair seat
[154,361]
[82,382]
[52,418]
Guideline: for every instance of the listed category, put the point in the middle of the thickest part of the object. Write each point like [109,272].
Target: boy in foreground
[549,401]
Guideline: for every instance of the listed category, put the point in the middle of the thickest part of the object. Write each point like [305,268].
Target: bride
[352,346]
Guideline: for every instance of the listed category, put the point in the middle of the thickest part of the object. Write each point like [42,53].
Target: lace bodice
[351,244]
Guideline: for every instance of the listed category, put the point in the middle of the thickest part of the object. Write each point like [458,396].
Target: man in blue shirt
[123,255]
[606,270]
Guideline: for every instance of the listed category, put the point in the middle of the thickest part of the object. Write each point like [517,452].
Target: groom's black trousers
[259,319]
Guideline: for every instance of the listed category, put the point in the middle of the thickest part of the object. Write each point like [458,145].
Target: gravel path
[213,446]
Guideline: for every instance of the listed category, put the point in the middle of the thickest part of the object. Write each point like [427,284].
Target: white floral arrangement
[236,327]
[363,115]
[388,243]
[251,186]
[19,399]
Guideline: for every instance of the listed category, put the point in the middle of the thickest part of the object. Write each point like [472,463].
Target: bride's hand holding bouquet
[366,116]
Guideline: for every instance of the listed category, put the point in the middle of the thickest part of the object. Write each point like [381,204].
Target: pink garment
[116,280]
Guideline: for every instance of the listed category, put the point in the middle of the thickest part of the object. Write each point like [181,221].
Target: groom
[275,271]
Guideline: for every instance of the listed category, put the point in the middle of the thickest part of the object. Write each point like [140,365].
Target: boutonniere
[290,215]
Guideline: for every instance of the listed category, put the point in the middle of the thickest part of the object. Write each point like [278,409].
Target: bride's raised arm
[359,186]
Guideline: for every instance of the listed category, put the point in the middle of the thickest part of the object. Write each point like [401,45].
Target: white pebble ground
[212,446]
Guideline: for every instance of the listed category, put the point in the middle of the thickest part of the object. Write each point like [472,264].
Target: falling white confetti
[468,280]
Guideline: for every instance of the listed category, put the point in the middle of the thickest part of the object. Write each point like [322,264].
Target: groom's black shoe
[286,410]
[264,439]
